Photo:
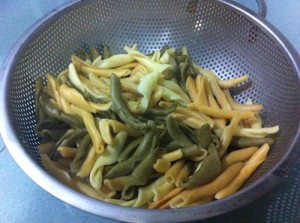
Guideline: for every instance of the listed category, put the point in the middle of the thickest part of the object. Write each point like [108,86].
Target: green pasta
[129,149]
[70,138]
[127,166]
[140,174]
[137,137]
[242,142]
[209,169]
[109,157]
[106,52]
[176,133]
[51,110]
[121,108]
[81,153]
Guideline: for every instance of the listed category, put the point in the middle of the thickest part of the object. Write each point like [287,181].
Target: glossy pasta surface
[148,131]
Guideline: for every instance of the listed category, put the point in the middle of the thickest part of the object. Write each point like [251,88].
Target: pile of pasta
[147,131]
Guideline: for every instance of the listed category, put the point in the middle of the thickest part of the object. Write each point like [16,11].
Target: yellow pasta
[191,88]
[99,83]
[201,97]
[160,191]
[119,127]
[199,202]
[184,172]
[162,165]
[105,132]
[100,107]
[45,147]
[219,122]
[146,194]
[220,113]
[87,164]
[202,118]
[91,128]
[104,72]
[66,152]
[130,87]
[227,134]
[172,156]
[135,70]
[256,159]
[159,204]
[65,105]
[62,175]
[75,98]
[108,157]
[217,91]
[172,173]
[189,196]
[155,98]
[130,65]
[116,184]
[233,82]
[239,155]
[88,190]
[116,60]
[241,107]
[147,130]
[53,83]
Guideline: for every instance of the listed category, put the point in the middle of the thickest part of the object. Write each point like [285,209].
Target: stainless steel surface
[262,8]
[234,42]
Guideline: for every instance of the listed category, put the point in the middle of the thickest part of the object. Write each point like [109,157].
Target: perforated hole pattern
[217,37]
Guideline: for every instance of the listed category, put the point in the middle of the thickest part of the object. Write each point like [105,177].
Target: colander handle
[262,8]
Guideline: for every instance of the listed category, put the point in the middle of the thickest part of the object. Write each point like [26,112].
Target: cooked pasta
[148,130]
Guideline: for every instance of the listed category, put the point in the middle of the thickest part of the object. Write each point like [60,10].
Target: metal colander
[221,35]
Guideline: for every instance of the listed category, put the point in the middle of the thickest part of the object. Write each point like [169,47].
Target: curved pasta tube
[233,82]
[54,85]
[217,91]
[87,164]
[58,173]
[115,61]
[254,162]
[100,194]
[162,202]
[201,97]
[161,191]
[117,184]
[162,165]
[146,61]
[191,88]
[227,134]
[146,88]
[187,197]
[210,168]
[108,157]
[74,78]
[118,127]
[184,172]
[89,122]
[146,194]
[172,173]
[105,131]
[140,174]
[220,113]
[238,156]
[75,98]
[104,72]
